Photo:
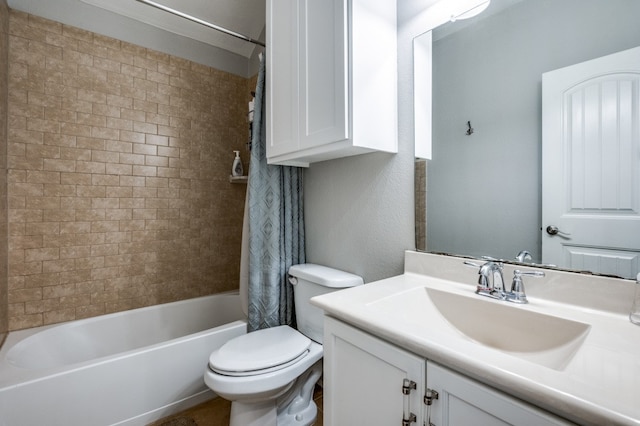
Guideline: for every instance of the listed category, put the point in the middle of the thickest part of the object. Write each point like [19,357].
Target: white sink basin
[544,339]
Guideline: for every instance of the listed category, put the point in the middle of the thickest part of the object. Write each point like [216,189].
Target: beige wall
[4,70]
[119,158]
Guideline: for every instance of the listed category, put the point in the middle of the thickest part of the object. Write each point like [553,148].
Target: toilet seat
[260,352]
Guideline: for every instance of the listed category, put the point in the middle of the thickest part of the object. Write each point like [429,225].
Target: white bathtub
[127,368]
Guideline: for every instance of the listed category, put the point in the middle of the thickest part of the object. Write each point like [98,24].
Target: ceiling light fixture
[471,12]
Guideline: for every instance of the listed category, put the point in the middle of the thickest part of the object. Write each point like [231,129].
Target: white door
[591,165]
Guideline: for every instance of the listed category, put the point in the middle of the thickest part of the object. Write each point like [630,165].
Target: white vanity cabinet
[363,385]
[364,378]
[331,80]
[463,401]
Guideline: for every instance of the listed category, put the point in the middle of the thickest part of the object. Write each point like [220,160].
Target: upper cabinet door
[331,79]
[282,62]
[324,94]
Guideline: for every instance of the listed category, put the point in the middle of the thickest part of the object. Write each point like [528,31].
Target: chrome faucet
[491,282]
[523,256]
[490,279]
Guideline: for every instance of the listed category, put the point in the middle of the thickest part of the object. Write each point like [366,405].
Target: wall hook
[469,128]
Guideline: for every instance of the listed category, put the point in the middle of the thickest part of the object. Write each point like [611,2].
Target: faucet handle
[483,280]
[490,261]
[517,294]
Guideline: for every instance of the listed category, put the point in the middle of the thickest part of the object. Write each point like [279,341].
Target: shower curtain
[276,227]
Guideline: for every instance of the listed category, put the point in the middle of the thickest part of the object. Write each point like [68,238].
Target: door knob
[553,230]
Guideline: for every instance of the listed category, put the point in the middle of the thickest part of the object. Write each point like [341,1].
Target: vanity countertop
[598,385]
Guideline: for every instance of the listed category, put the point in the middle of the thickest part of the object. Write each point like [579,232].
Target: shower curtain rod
[202,22]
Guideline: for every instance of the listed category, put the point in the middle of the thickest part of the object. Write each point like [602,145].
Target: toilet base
[306,417]
[295,408]
[253,414]
[298,408]
[266,415]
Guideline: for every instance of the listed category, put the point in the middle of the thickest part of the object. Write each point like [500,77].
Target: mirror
[483,185]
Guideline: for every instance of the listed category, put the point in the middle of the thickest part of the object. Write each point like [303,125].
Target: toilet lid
[268,349]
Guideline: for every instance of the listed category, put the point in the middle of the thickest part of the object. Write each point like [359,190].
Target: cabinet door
[324,98]
[282,76]
[307,78]
[463,401]
[363,379]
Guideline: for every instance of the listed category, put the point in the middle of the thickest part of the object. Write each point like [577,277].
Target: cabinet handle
[407,416]
[429,396]
[412,419]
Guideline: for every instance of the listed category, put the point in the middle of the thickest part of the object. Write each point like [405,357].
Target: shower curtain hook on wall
[469,128]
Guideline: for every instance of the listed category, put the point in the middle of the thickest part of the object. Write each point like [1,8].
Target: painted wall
[4,81]
[359,211]
[119,163]
[484,190]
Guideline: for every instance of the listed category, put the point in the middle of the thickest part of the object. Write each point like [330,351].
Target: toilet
[269,375]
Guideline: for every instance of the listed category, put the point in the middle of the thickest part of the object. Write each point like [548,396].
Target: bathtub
[127,368]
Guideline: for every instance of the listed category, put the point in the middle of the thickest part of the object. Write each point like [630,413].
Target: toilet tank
[311,280]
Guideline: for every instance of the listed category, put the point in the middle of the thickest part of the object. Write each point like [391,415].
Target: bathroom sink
[544,339]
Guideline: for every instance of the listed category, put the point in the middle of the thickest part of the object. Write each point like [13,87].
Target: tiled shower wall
[4,70]
[119,160]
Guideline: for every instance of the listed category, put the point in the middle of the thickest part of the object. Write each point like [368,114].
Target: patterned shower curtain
[276,227]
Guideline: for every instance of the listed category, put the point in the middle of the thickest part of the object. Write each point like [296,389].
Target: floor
[216,413]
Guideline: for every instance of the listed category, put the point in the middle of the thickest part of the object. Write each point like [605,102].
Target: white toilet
[269,375]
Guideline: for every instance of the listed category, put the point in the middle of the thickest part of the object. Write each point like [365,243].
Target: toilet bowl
[269,375]
[276,371]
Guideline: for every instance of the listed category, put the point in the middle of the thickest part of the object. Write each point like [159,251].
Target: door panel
[323,72]
[282,57]
[364,377]
[612,262]
[463,401]
[591,165]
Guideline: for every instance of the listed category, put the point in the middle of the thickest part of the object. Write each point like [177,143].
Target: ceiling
[246,17]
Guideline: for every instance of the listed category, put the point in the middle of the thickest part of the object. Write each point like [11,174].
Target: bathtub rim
[154,396]
[11,375]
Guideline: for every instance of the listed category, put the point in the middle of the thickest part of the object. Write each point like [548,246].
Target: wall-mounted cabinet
[331,82]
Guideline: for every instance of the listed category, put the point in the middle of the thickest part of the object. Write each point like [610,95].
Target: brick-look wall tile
[118,188]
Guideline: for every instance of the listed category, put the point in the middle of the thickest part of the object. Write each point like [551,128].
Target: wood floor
[216,413]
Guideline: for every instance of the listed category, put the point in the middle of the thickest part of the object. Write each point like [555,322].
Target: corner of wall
[420,185]
[4,77]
